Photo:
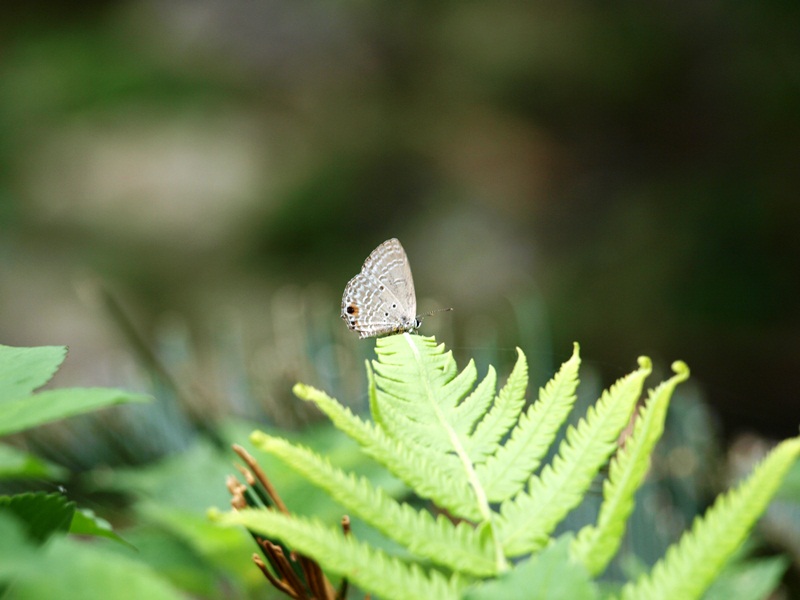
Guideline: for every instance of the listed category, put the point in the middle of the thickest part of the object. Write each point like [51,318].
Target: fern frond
[527,520]
[506,472]
[502,416]
[595,545]
[417,380]
[689,566]
[458,547]
[476,404]
[368,567]
[418,387]
[434,476]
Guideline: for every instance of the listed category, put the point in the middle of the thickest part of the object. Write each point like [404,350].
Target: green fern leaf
[596,545]
[458,547]
[417,390]
[368,567]
[506,472]
[418,387]
[690,566]
[474,406]
[528,519]
[502,416]
[434,476]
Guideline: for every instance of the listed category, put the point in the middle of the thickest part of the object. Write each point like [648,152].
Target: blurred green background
[625,176]
[186,187]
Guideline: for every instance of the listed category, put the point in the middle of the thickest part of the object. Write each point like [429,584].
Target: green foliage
[66,568]
[477,454]
[18,464]
[749,579]
[85,522]
[28,520]
[555,576]
[690,566]
[41,514]
[597,544]
[22,370]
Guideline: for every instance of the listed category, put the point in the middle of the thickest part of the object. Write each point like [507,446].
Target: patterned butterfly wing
[380,300]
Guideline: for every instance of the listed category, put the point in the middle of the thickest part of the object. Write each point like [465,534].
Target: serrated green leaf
[23,370]
[417,388]
[474,406]
[41,514]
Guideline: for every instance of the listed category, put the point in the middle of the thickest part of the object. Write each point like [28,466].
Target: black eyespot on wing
[352,310]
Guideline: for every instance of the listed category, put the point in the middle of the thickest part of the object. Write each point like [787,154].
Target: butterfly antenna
[433,312]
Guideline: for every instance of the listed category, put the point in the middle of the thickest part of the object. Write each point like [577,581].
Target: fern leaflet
[690,566]
[508,469]
[369,567]
[596,545]
[430,475]
[458,547]
[527,519]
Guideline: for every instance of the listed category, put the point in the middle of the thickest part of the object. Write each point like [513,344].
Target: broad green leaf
[69,568]
[17,552]
[85,522]
[52,405]
[22,370]
[548,575]
[749,579]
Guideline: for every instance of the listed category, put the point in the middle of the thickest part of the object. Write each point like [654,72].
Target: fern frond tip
[645,363]
[681,369]
[301,390]
[258,438]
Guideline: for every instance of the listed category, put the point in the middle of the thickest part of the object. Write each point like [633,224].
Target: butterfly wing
[380,300]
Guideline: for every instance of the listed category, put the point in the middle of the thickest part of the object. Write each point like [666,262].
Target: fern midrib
[458,447]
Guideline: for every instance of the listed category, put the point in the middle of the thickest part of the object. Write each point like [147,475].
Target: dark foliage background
[624,175]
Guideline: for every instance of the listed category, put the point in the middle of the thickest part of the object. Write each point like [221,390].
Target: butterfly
[380,300]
